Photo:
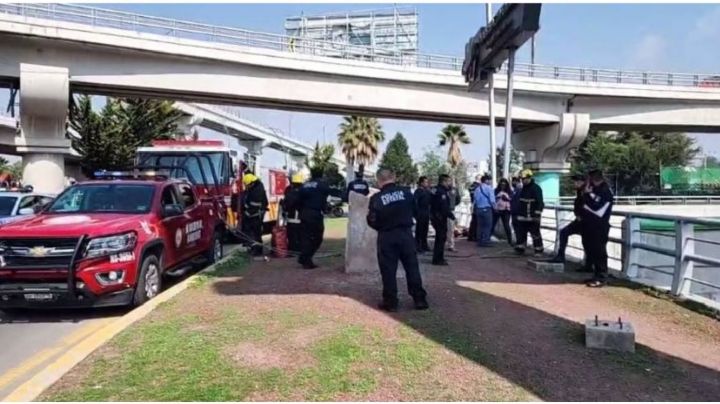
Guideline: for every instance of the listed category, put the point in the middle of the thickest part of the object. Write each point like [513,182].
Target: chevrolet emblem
[39,251]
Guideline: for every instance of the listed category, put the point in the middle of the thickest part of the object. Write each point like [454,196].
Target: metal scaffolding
[366,34]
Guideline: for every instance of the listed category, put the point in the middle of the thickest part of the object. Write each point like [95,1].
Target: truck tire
[149,283]
[215,252]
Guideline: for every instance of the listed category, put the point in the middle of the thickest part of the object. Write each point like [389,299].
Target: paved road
[29,341]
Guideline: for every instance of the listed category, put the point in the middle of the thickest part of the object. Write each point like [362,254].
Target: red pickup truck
[107,243]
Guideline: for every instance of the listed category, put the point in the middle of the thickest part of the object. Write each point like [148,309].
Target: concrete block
[611,335]
[361,245]
[544,266]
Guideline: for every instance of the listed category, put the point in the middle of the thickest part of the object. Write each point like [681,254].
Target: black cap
[578,177]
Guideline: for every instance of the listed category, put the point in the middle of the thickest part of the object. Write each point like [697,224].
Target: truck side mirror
[172,210]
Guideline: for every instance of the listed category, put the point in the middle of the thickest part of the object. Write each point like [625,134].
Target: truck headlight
[109,245]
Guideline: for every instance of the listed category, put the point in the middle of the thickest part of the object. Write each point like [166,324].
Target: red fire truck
[220,177]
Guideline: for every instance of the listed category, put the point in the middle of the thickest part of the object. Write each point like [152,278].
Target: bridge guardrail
[684,261]
[657,200]
[99,17]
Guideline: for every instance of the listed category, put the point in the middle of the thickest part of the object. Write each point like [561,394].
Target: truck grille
[37,253]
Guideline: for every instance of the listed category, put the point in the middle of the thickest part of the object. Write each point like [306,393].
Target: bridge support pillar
[188,127]
[254,153]
[44,99]
[298,164]
[546,150]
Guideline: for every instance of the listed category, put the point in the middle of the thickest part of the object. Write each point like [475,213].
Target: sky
[659,37]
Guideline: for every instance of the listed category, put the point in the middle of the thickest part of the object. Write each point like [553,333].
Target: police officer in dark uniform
[390,213]
[312,199]
[598,200]
[440,212]
[422,214]
[292,213]
[255,204]
[358,185]
[576,226]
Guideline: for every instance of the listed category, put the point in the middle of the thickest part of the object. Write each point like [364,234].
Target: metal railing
[680,255]
[170,28]
[657,200]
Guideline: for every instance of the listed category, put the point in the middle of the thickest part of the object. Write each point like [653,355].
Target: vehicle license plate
[38,296]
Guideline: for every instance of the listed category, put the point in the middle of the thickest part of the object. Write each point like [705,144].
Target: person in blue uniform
[358,185]
[440,212]
[598,206]
[312,199]
[577,225]
[390,214]
[422,197]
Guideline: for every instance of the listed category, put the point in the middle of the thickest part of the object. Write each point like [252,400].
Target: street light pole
[508,114]
[491,109]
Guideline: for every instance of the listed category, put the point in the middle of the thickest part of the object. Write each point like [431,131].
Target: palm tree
[359,139]
[453,135]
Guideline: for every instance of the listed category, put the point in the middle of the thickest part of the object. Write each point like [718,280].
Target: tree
[16,169]
[109,139]
[360,139]
[632,160]
[322,158]
[711,162]
[432,166]
[454,136]
[516,161]
[397,158]
[4,165]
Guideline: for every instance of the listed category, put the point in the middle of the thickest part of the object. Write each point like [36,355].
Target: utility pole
[491,109]
[532,50]
[508,114]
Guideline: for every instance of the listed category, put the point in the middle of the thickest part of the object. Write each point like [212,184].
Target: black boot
[557,259]
[421,304]
[388,306]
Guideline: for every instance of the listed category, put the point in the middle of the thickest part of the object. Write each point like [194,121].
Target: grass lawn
[256,331]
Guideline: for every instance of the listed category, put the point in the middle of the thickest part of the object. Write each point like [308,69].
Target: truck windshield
[7,203]
[104,198]
[219,164]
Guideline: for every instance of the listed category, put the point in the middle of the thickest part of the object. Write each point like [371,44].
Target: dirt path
[496,331]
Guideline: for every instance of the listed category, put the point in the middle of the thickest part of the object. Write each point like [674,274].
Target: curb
[34,387]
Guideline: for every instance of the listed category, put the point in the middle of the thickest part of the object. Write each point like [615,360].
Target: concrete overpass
[251,135]
[114,53]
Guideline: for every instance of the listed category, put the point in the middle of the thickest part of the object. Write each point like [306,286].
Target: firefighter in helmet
[255,204]
[291,207]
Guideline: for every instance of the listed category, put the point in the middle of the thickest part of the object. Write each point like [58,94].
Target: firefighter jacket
[255,202]
[531,203]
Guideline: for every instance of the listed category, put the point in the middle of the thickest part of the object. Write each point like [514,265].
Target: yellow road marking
[47,353]
[32,388]
[27,365]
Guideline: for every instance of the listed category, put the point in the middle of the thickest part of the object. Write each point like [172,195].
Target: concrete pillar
[254,150]
[188,127]
[298,165]
[44,96]
[547,148]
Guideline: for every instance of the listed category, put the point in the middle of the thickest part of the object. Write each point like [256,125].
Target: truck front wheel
[215,252]
[149,281]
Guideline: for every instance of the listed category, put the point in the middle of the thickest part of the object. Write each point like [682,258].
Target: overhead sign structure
[485,52]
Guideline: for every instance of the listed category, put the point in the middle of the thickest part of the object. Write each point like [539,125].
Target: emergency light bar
[188,143]
[128,174]
[26,188]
